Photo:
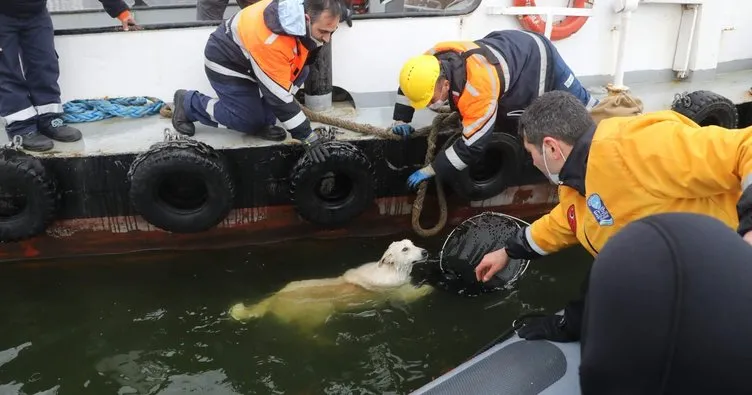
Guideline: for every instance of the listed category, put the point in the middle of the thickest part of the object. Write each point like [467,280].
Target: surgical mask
[310,35]
[554,177]
[437,105]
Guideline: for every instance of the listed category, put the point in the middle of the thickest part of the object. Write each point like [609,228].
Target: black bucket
[466,245]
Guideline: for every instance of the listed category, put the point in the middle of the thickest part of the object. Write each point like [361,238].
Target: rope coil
[90,110]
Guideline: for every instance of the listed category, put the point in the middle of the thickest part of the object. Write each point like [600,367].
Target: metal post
[318,86]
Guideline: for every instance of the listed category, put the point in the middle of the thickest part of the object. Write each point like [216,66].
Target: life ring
[707,108]
[181,186]
[27,196]
[489,176]
[334,192]
[561,29]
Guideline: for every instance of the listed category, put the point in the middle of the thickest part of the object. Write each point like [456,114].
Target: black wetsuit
[669,310]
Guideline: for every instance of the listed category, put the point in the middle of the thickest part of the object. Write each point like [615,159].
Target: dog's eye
[404,249]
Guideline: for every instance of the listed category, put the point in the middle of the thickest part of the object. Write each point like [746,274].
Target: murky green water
[156,324]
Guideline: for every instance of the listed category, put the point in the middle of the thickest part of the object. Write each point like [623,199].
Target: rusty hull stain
[259,225]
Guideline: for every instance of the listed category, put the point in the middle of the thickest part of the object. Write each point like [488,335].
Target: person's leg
[42,71]
[238,105]
[667,310]
[211,10]
[16,109]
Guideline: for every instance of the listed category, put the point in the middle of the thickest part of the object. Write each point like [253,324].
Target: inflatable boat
[514,366]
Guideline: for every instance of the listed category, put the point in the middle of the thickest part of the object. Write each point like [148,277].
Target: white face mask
[437,105]
[310,35]
[554,177]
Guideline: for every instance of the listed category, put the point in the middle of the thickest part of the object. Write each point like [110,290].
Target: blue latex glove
[403,129]
[419,176]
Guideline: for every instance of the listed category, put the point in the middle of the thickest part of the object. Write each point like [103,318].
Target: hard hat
[418,79]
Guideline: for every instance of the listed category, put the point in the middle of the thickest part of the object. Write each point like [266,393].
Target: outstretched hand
[748,237]
[491,264]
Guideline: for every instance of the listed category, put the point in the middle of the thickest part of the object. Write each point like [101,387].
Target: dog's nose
[424,253]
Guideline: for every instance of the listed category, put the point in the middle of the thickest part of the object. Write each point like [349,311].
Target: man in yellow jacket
[623,170]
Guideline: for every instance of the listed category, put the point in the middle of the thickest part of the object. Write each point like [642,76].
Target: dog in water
[309,303]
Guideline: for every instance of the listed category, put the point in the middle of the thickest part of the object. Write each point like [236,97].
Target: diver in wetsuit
[668,310]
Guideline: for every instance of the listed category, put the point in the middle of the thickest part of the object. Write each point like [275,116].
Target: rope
[91,110]
[445,119]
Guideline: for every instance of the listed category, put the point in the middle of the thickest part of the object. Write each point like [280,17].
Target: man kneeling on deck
[256,61]
[623,170]
[489,81]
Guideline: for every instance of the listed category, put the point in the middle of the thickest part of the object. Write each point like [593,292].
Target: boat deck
[122,136]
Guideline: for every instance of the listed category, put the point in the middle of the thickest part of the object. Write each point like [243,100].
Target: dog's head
[402,255]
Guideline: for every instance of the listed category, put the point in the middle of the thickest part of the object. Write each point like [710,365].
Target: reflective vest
[258,49]
[503,73]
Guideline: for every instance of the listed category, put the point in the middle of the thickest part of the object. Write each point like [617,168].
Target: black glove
[550,327]
[315,149]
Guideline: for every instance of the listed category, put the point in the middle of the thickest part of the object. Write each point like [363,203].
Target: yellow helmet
[418,79]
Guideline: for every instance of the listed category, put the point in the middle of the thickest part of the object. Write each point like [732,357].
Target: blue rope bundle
[76,111]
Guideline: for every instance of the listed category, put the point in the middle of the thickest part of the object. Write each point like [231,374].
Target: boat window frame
[472,6]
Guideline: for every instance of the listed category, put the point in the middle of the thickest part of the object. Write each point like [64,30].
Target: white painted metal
[367,56]
[685,40]
[679,2]
[625,8]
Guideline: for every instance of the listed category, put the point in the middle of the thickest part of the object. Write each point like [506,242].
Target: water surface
[156,323]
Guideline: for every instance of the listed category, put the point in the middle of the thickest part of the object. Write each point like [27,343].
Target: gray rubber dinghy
[514,367]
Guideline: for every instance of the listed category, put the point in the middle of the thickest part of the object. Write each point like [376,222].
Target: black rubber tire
[708,108]
[213,179]
[26,174]
[347,164]
[488,177]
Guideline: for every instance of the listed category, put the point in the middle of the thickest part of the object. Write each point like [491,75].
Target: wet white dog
[309,303]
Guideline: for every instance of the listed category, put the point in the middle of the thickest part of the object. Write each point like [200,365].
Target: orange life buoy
[561,30]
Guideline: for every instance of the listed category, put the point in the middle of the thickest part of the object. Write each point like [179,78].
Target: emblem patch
[599,210]
[572,219]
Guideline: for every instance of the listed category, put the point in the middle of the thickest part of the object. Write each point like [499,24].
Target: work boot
[56,129]
[271,132]
[35,141]
[179,120]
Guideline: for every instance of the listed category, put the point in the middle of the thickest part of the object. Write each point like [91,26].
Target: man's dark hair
[557,114]
[314,8]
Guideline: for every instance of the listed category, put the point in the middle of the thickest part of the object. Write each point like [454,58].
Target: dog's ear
[387,259]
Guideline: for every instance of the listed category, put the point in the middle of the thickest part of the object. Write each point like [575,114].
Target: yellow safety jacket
[632,167]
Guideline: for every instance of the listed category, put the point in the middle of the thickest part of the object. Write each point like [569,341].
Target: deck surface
[119,136]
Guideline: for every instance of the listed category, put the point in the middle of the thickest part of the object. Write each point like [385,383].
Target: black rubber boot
[179,120]
[272,132]
[57,130]
[35,141]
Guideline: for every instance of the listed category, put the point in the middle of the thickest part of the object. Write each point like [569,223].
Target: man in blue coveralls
[29,93]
